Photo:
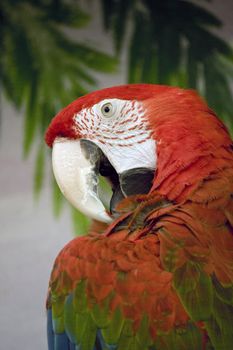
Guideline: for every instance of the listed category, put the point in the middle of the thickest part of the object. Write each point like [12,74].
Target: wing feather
[162,278]
[197,246]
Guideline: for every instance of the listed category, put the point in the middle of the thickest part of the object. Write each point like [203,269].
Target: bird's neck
[192,144]
[183,171]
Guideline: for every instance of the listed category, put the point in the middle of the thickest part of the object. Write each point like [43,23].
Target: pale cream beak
[77,179]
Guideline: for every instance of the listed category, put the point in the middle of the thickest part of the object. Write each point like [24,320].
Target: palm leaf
[108,9]
[217,91]
[120,21]
[68,14]
[80,222]
[31,116]
[42,69]
[137,49]
[58,198]
[39,170]
[172,43]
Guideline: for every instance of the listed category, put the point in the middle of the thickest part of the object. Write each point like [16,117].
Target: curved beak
[75,169]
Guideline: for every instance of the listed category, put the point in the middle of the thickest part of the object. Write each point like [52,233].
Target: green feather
[124,343]
[80,299]
[80,326]
[112,333]
[219,327]
[100,314]
[198,297]
[223,293]
[126,337]
[88,336]
[70,318]
[58,315]
[143,336]
[188,337]
[58,324]
[186,277]
[135,345]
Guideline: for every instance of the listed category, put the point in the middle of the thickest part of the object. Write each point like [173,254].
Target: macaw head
[138,136]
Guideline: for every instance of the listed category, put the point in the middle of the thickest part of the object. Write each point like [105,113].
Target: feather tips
[177,269]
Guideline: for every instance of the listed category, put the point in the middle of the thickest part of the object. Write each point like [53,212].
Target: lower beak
[74,167]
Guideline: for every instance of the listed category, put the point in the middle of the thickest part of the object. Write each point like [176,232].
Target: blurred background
[53,51]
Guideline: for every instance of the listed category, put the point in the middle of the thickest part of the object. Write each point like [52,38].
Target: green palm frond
[39,170]
[42,69]
[58,199]
[172,42]
[80,222]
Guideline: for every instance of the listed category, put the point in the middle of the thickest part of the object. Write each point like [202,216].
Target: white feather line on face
[124,138]
[141,155]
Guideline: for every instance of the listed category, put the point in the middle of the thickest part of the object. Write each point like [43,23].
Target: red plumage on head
[61,124]
[191,141]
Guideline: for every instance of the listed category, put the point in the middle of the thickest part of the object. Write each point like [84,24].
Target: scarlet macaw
[160,274]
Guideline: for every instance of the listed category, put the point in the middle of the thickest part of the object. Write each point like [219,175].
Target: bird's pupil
[106,109]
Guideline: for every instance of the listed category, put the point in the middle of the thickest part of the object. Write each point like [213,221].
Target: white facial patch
[121,131]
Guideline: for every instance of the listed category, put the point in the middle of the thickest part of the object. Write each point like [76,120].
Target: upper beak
[75,168]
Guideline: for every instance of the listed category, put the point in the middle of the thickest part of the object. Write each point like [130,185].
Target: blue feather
[62,342]
[57,341]
[50,333]
[72,346]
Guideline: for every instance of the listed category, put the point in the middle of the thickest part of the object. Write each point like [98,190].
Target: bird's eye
[107,110]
